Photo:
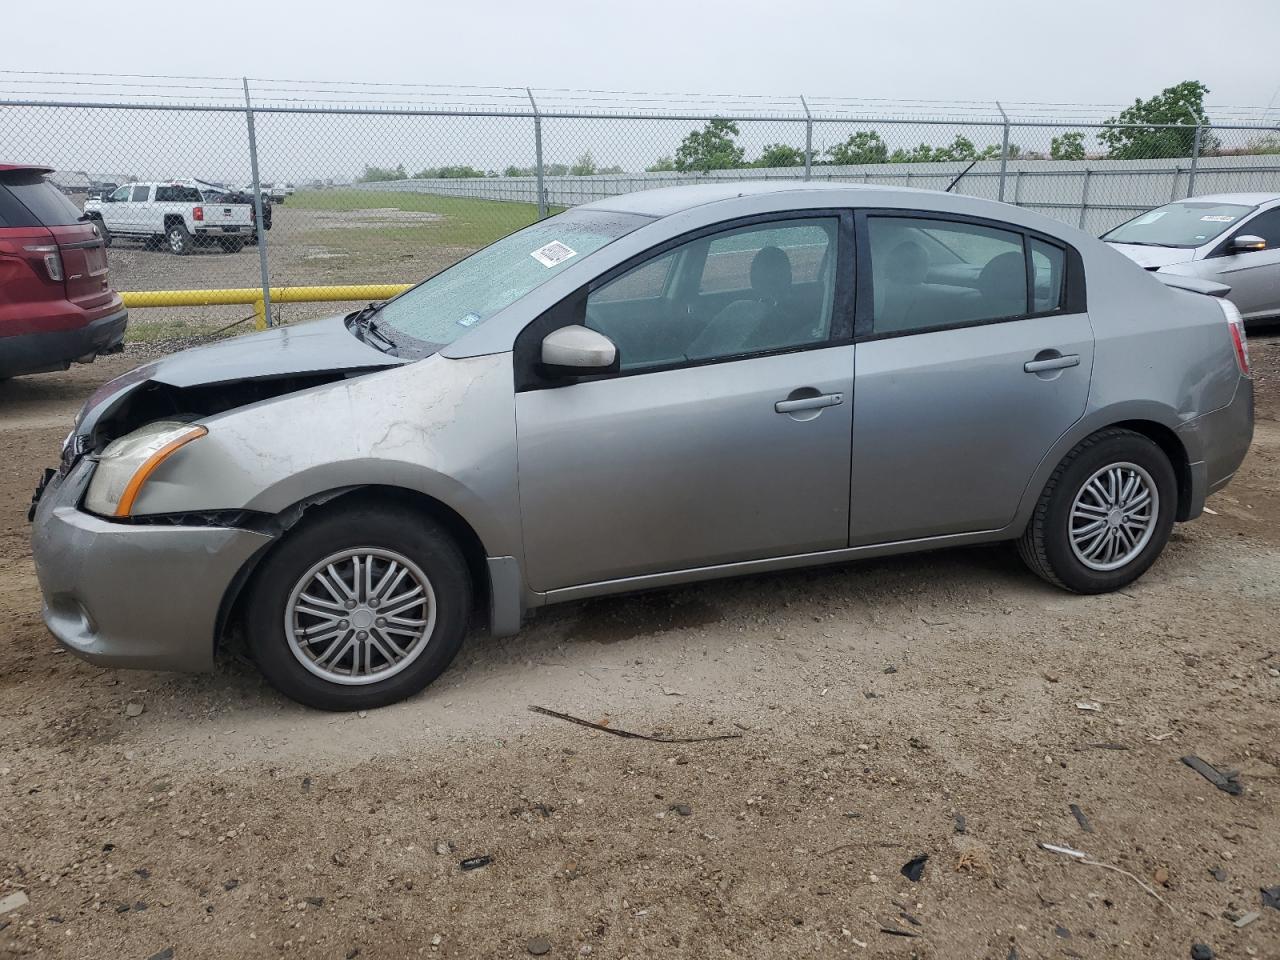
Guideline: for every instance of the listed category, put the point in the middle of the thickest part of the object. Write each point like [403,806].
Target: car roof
[33,168]
[1251,199]
[665,201]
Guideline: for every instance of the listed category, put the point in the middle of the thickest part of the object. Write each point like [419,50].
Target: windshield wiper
[363,324]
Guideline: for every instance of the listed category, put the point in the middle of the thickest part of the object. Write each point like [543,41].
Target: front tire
[179,239]
[1104,516]
[359,608]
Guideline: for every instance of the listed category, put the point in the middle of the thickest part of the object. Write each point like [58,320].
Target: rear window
[177,194]
[46,203]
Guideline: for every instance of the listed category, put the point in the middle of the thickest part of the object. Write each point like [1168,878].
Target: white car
[1228,238]
[175,213]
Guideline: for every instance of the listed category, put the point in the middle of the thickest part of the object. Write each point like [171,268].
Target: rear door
[725,435]
[1254,277]
[974,357]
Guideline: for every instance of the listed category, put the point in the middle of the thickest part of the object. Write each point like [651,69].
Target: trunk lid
[84,264]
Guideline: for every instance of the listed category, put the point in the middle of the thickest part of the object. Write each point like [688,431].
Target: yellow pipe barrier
[253,296]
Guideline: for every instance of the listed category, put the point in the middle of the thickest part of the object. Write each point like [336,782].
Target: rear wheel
[231,244]
[178,238]
[359,608]
[1105,514]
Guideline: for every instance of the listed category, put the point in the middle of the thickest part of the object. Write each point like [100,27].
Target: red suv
[55,303]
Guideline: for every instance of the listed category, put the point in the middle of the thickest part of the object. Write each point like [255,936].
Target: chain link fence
[365,190]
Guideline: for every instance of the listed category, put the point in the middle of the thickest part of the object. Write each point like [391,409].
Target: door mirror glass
[575,351]
[1247,243]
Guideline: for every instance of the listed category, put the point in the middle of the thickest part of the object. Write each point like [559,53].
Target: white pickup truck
[173,213]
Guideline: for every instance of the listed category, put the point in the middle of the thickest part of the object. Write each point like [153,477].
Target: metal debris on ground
[897,931]
[1088,705]
[1271,897]
[475,863]
[913,869]
[627,733]
[1081,819]
[1248,918]
[1226,781]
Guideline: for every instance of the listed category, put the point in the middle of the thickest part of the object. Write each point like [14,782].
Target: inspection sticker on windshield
[1151,217]
[553,254]
[470,320]
[1216,218]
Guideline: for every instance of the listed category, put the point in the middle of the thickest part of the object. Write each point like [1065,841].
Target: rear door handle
[1052,363]
[809,403]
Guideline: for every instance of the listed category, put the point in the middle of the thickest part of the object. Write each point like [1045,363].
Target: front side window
[1265,225]
[459,298]
[120,195]
[1187,223]
[140,194]
[746,290]
[934,274]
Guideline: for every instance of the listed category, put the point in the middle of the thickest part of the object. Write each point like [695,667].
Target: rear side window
[934,274]
[177,194]
[1048,265]
[44,202]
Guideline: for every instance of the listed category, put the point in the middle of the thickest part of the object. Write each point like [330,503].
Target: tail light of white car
[1238,338]
[197,213]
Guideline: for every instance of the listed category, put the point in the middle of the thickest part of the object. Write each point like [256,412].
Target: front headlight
[127,461]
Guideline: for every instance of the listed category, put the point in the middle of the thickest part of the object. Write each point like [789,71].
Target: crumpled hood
[316,347]
[1154,256]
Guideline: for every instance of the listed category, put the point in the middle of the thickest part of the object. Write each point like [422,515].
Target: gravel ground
[877,712]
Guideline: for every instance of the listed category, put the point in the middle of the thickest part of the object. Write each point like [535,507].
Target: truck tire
[178,238]
[231,244]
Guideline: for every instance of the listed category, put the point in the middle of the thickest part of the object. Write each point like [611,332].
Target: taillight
[1238,338]
[197,213]
[52,259]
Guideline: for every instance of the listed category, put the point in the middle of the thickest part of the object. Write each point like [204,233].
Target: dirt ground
[870,708]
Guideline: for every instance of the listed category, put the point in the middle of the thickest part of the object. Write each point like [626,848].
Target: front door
[977,360]
[1254,277]
[724,437]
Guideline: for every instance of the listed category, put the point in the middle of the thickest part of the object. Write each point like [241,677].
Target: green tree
[1138,136]
[780,155]
[584,166]
[661,165]
[865,146]
[1069,146]
[711,148]
[921,154]
[373,174]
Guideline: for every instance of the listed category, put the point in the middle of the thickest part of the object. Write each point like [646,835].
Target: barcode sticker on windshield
[553,254]
[1215,218]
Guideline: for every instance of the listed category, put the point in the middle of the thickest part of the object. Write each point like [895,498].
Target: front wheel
[1105,514]
[359,608]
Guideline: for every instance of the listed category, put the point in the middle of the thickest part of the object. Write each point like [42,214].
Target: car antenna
[959,176]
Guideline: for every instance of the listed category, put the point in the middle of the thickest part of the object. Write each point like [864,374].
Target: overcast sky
[1084,51]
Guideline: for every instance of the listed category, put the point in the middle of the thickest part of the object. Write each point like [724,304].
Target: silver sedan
[651,390]
[1229,238]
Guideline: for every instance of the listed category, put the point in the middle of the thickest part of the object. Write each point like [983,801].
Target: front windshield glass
[1189,223]
[458,299]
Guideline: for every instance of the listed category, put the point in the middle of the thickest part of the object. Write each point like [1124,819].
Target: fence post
[1084,198]
[1195,158]
[537,147]
[1004,150]
[264,318]
[808,139]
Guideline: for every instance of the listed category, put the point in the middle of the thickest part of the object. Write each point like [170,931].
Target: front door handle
[809,403]
[1052,363]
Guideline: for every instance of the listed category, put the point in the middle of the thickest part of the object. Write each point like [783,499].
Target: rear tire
[350,642]
[179,239]
[1105,514]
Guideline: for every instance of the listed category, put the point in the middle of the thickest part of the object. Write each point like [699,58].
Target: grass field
[464,222]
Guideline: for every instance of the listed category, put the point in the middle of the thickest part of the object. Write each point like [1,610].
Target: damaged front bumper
[132,595]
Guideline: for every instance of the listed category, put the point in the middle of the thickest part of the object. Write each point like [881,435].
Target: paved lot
[873,704]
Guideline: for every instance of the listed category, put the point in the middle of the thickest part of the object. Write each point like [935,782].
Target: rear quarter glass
[43,203]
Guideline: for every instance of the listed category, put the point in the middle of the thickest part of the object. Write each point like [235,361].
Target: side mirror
[1247,243]
[576,351]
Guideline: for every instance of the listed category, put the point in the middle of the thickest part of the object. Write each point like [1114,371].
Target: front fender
[444,428]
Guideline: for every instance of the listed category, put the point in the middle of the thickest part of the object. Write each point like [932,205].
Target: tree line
[1139,132]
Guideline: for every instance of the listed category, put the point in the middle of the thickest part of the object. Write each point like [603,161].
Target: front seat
[734,328]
